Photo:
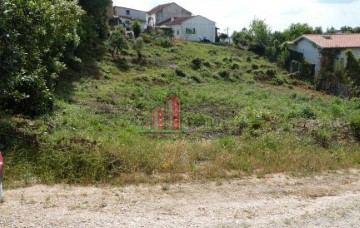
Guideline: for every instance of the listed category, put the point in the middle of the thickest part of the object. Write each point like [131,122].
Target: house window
[190,31]
[177,32]
[128,12]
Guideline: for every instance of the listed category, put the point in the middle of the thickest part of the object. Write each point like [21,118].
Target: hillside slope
[240,114]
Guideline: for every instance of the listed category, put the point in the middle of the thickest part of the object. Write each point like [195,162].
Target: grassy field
[240,115]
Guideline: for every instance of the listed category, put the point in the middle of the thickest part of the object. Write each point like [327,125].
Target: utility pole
[227,33]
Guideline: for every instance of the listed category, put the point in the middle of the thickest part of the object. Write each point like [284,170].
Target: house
[127,16]
[163,12]
[192,28]
[310,46]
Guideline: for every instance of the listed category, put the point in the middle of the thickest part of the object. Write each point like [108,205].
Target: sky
[278,14]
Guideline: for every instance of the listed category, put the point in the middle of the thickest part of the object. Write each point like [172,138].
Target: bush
[136,27]
[196,63]
[307,113]
[235,66]
[180,73]
[224,74]
[355,127]
[278,81]
[164,42]
[29,96]
[323,136]
[146,38]
[271,73]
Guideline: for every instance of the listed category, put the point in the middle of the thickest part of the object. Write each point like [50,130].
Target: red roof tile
[333,40]
[176,21]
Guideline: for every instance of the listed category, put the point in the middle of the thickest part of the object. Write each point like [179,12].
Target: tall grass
[235,123]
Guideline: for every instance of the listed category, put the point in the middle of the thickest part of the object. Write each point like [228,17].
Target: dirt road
[327,200]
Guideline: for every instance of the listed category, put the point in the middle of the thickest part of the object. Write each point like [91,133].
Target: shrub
[29,96]
[180,73]
[146,38]
[254,66]
[323,136]
[355,127]
[271,73]
[224,74]
[199,120]
[136,27]
[196,79]
[196,63]
[278,81]
[164,42]
[307,113]
[235,66]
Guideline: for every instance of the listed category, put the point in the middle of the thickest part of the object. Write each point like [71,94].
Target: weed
[180,73]
[232,127]
[196,63]
[224,74]
[355,127]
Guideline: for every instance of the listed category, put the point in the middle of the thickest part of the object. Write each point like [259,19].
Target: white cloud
[279,14]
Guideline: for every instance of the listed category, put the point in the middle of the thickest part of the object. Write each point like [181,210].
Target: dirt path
[327,200]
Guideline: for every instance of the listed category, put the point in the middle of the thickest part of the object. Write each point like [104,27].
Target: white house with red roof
[311,44]
[192,28]
[170,15]
[163,12]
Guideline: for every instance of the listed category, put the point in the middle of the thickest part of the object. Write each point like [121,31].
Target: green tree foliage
[352,72]
[298,29]
[96,10]
[136,27]
[223,36]
[35,36]
[257,37]
[117,42]
[259,32]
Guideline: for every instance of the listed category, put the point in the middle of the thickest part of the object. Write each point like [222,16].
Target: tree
[138,46]
[352,72]
[256,38]
[260,32]
[96,9]
[35,37]
[298,29]
[223,37]
[136,27]
[117,42]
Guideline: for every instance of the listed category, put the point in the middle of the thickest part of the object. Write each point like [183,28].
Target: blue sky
[278,14]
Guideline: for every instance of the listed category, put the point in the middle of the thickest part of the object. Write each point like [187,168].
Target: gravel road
[326,200]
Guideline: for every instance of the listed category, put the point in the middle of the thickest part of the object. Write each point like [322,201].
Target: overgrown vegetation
[332,78]
[255,127]
[240,113]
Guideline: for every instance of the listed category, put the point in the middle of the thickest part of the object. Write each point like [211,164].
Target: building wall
[203,28]
[170,11]
[355,51]
[123,12]
[177,31]
[311,53]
